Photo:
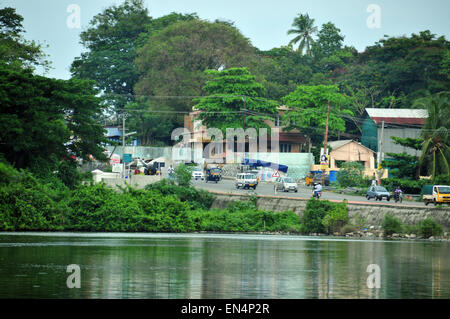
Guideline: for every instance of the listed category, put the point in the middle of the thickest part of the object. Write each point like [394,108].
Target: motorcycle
[317,194]
[398,197]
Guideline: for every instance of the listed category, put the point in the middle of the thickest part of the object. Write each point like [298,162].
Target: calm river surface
[118,265]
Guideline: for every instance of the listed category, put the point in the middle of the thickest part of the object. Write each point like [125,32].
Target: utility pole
[243,119]
[380,152]
[123,145]
[325,142]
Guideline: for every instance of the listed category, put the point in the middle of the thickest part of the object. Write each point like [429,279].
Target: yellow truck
[436,194]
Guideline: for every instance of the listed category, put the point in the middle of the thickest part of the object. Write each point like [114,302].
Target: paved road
[304,192]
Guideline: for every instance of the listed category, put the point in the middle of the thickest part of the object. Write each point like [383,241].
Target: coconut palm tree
[435,133]
[303,27]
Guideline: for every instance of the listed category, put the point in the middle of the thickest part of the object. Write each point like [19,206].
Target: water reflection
[218,266]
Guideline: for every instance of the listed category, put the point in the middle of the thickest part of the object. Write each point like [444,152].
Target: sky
[264,22]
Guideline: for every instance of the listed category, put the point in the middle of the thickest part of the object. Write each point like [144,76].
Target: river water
[118,265]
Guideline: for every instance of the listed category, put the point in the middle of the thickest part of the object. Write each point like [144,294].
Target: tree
[14,49]
[329,41]
[111,41]
[402,68]
[173,60]
[46,120]
[308,109]
[227,94]
[435,133]
[303,27]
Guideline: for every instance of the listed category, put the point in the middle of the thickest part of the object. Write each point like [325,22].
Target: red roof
[399,120]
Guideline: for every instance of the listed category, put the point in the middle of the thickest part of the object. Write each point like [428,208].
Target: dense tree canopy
[232,94]
[308,109]
[173,60]
[43,121]
[111,41]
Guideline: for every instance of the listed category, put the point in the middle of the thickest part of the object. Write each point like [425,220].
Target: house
[291,149]
[289,142]
[397,122]
[351,151]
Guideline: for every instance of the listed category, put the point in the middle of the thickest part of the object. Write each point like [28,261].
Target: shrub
[30,203]
[336,218]
[198,198]
[315,213]
[443,179]
[391,225]
[406,185]
[183,175]
[429,227]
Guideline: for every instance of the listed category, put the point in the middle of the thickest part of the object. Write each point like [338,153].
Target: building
[397,122]
[291,148]
[289,142]
[350,151]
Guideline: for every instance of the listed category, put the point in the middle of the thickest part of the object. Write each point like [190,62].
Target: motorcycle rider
[317,189]
[397,193]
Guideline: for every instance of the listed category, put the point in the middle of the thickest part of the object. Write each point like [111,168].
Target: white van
[246,180]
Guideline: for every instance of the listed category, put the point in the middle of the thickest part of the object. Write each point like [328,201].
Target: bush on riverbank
[391,225]
[198,198]
[429,227]
[323,216]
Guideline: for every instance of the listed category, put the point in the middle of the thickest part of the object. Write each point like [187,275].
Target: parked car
[286,184]
[246,180]
[317,178]
[378,192]
[197,173]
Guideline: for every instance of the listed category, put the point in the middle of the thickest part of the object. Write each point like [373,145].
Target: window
[277,121]
[285,148]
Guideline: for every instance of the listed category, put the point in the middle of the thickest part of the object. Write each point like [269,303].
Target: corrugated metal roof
[398,116]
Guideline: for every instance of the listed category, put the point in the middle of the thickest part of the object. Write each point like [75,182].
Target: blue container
[333,176]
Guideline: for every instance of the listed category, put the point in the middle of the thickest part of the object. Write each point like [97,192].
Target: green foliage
[308,108]
[322,215]
[443,179]
[336,218]
[435,133]
[14,49]
[183,175]
[429,227]
[401,68]
[407,186]
[391,225]
[351,175]
[29,203]
[111,40]
[172,61]
[197,198]
[303,27]
[232,90]
[45,120]
[244,220]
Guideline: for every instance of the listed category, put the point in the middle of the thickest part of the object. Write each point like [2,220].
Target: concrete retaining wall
[373,214]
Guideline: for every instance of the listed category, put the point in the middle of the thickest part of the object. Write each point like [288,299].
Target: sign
[276,174]
[117,168]
[324,159]
[115,159]
[127,158]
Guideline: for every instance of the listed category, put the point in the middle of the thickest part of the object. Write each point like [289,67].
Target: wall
[143,151]
[390,147]
[373,214]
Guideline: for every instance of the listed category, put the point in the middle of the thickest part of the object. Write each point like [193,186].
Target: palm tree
[435,148]
[303,27]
